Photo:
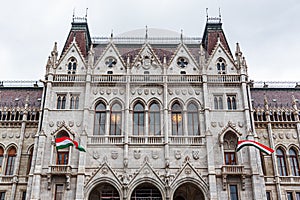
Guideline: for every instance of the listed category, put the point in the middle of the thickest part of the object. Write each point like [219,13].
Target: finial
[220,14]
[181,35]
[73,14]
[146,32]
[206,14]
[86,12]
[111,34]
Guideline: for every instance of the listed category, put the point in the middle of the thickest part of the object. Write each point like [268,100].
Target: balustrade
[223,78]
[69,78]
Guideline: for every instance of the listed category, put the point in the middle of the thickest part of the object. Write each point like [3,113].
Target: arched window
[221,66]
[281,162]
[74,101]
[138,119]
[230,143]
[72,65]
[11,158]
[218,102]
[177,119]
[62,154]
[1,158]
[231,102]
[61,101]
[115,119]
[30,154]
[154,119]
[193,119]
[294,162]
[100,119]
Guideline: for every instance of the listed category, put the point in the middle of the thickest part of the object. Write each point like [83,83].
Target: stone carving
[188,171]
[184,92]
[152,92]
[122,91]
[71,123]
[115,91]
[146,171]
[159,91]
[221,124]
[139,91]
[288,135]
[241,124]
[295,135]
[170,91]
[96,155]
[281,135]
[137,154]
[195,154]
[27,134]
[265,135]
[3,135]
[95,91]
[10,134]
[17,135]
[146,91]
[104,170]
[190,91]
[274,136]
[101,91]
[177,154]
[108,91]
[114,155]
[155,154]
[177,92]
[213,124]
[78,124]
[133,91]
[197,92]
[51,123]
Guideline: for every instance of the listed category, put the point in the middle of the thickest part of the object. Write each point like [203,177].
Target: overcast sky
[268,30]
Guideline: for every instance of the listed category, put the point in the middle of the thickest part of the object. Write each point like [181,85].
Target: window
[115,119]
[29,160]
[100,119]
[154,119]
[193,119]
[297,195]
[11,158]
[2,195]
[294,162]
[230,143]
[182,62]
[234,192]
[61,101]
[289,196]
[138,119]
[110,62]
[59,191]
[177,118]
[231,102]
[268,194]
[72,65]
[74,101]
[24,195]
[62,157]
[218,102]
[221,66]
[281,162]
[1,158]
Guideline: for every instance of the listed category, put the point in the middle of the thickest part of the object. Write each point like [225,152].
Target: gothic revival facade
[159,118]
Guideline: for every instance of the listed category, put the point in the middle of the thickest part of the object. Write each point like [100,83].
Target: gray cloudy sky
[268,31]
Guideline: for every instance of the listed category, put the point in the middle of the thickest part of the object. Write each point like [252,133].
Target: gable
[110,60]
[71,53]
[221,56]
[146,60]
[183,61]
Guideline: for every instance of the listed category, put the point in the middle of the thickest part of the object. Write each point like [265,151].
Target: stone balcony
[60,169]
[233,170]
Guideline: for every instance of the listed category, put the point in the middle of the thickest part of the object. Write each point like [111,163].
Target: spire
[91,57]
[238,55]
[266,102]
[146,35]
[181,36]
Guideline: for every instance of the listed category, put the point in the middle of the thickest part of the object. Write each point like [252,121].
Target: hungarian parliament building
[159,115]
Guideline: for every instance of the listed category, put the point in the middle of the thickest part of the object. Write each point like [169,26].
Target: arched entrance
[104,191]
[188,191]
[146,191]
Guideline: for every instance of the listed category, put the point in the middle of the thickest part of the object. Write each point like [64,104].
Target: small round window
[110,62]
[182,62]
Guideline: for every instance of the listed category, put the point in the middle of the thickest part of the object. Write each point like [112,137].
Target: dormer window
[110,62]
[72,65]
[182,62]
[221,66]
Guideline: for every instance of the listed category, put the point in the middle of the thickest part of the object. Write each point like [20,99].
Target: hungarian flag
[64,142]
[261,147]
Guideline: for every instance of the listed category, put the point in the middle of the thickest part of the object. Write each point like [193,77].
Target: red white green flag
[261,147]
[64,142]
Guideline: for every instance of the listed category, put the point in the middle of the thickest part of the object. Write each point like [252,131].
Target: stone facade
[159,118]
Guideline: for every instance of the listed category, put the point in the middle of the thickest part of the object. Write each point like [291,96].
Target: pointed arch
[193,118]
[115,126]
[138,118]
[154,118]
[100,118]
[177,118]
[11,158]
[281,161]
[294,161]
